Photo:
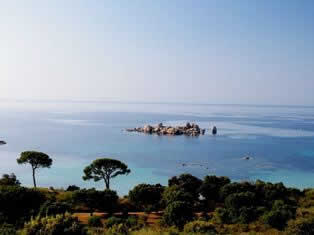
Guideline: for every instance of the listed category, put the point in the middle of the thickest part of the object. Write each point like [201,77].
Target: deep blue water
[280,141]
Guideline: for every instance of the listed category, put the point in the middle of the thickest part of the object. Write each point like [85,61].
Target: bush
[177,214]
[279,215]
[135,223]
[200,227]
[188,183]
[7,229]
[59,225]
[54,208]
[95,221]
[239,208]
[132,222]
[176,193]
[146,196]
[72,188]
[102,200]
[113,221]
[301,227]
[232,188]
[118,229]
[9,180]
[19,204]
[236,201]
[211,186]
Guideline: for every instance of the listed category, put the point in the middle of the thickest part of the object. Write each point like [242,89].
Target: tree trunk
[107,184]
[34,180]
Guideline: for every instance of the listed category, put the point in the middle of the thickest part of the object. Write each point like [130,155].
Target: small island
[189,130]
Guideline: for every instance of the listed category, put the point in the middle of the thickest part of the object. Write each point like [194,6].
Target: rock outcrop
[2,142]
[189,129]
[214,131]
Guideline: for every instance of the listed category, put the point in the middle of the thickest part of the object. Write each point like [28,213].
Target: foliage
[239,208]
[146,196]
[54,208]
[72,188]
[301,226]
[200,227]
[9,180]
[112,221]
[58,225]
[105,169]
[116,225]
[176,193]
[211,187]
[279,215]
[18,204]
[95,221]
[177,214]
[118,229]
[7,229]
[94,199]
[231,188]
[36,160]
[188,183]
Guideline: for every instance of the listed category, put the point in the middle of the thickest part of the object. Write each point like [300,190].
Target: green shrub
[177,214]
[224,216]
[9,180]
[54,208]
[19,204]
[132,223]
[211,186]
[7,229]
[279,215]
[200,227]
[176,193]
[118,229]
[95,221]
[72,188]
[106,200]
[300,227]
[146,196]
[188,183]
[58,225]
[113,221]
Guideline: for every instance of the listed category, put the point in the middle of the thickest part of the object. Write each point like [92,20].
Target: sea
[279,141]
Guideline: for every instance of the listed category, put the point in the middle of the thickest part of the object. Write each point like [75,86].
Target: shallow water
[280,141]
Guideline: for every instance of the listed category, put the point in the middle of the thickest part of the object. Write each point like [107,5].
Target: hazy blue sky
[223,51]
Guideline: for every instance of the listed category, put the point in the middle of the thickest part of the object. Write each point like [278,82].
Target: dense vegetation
[188,205]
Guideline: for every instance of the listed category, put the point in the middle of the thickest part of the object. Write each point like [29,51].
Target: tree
[147,195]
[211,186]
[188,183]
[176,193]
[9,180]
[36,160]
[177,214]
[105,169]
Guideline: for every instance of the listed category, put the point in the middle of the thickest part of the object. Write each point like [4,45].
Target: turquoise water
[280,141]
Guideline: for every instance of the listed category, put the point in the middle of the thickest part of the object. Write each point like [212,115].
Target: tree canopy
[36,160]
[105,169]
[9,180]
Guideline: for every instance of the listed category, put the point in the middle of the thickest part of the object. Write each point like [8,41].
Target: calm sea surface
[280,141]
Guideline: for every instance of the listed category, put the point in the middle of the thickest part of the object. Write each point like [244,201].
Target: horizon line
[146,102]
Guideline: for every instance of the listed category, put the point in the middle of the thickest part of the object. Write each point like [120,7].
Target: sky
[215,51]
